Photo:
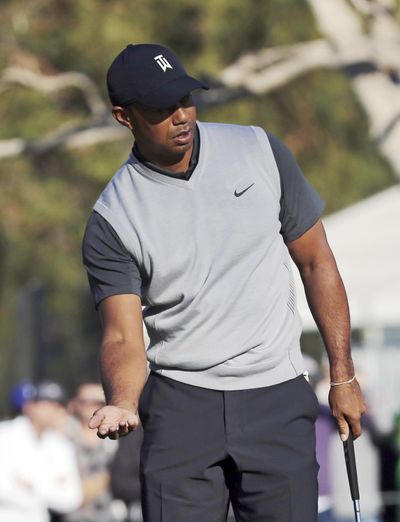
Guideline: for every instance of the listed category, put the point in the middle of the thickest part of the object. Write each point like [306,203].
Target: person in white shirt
[39,470]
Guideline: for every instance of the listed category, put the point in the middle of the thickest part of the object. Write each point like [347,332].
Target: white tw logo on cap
[163,62]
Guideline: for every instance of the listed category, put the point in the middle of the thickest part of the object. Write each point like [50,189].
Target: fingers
[114,431]
[108,431]
[113,422]
[348,425]
[355,426]
[95,421]
[344,429]
[124,427]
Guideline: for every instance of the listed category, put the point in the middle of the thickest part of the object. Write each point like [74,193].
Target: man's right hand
[113,422]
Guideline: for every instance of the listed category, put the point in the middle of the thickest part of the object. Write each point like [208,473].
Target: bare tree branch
[251,73]
[363,6]
[55,83]
[100,127]
[74,138]
[385,37]
[366,7]
[377,92]
[12,147]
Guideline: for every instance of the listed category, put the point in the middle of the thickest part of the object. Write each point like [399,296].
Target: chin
[182,149]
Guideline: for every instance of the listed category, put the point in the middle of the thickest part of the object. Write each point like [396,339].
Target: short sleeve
[301,205]
[110,267]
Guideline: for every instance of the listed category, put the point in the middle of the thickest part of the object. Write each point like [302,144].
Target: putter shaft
[357,511]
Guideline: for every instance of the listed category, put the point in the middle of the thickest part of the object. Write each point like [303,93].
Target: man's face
[45,414]
[164,136]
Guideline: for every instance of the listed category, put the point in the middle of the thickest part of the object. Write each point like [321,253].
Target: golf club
[350,458]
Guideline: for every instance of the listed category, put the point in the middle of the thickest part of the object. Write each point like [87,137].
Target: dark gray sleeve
[110,267]
[301,205]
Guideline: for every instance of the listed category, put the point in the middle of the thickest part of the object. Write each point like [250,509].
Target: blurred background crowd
[55,468]
[324,76]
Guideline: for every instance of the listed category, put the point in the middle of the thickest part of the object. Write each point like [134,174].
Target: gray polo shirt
[155,225]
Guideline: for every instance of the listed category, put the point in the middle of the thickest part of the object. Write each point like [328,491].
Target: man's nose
[180,115]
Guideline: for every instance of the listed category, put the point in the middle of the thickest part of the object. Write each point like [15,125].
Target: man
[39,471]
[198,226]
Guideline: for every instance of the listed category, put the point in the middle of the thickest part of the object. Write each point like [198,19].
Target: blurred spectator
[38,464]
[94,457]
[19,395]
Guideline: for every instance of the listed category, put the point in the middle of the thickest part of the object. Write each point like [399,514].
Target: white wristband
[344,382]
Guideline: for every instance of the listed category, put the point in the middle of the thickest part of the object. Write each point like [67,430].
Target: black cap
[150,74]
[49,391]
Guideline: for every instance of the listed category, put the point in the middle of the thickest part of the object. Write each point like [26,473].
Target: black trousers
[202,448]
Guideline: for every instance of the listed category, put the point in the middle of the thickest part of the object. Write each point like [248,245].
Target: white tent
[365,239]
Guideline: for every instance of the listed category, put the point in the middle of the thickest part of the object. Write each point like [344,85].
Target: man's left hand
[347,405]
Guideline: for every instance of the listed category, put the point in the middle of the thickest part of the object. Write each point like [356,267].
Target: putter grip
[350,458]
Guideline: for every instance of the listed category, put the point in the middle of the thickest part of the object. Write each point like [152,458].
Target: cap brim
[172,92]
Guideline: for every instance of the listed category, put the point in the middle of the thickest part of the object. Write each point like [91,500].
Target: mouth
[184,137]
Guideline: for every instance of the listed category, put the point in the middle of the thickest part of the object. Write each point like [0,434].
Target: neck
[37,428]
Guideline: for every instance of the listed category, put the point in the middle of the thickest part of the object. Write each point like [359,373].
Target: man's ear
[122,116]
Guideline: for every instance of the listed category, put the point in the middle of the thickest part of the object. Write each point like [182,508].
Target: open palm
[113,421]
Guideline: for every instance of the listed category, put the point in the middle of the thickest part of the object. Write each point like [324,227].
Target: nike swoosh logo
[238,194]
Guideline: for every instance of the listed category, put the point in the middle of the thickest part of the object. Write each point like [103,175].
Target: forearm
[327,300]
[124,372]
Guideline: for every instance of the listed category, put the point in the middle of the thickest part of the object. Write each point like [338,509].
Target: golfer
[198,227]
